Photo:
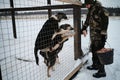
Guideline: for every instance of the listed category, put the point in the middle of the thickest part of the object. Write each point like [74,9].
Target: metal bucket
[106,57]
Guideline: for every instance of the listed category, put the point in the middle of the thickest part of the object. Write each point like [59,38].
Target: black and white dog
[60,36]
[43,40]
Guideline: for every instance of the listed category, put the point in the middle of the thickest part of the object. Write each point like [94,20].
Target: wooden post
[13,19]
[0,73]
[49,10]
[77,26]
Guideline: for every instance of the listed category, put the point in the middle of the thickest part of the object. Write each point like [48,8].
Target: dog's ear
[71,28]
[64,26]
[61,16]
[58,30]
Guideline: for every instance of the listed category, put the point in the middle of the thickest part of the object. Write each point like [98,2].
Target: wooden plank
[76,69]
[73,72]
[84,61]
[66,6]
[76,2]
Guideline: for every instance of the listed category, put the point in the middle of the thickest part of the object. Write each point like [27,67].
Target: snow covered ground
[113,70]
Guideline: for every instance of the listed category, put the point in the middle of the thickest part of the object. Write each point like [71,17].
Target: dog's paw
[57,61]
[49,75]
[37,63]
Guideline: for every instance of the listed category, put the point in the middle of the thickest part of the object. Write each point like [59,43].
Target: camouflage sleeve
[104,22]
[86,24]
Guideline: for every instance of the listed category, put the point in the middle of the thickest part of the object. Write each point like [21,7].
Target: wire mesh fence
[17,55]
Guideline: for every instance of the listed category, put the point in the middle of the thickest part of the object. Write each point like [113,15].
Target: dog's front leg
[61,32]
[45,61]
[54,35]
[55,47]
[64,39]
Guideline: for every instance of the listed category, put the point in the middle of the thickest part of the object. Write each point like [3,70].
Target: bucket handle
[108,44]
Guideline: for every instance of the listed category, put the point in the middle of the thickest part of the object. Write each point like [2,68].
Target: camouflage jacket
[97,20]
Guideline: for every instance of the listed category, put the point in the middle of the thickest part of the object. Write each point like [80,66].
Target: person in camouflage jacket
[97,20]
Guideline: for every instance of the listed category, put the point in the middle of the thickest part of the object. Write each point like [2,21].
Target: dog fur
[50,58]
[43,40]
[59,37]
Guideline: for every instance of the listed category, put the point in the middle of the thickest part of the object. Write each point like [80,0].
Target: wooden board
[76,2]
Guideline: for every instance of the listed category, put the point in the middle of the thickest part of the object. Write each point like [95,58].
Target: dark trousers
[95,46]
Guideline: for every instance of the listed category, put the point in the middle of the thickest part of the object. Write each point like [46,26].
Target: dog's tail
[36,56]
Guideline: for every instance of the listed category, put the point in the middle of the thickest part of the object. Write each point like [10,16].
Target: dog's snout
[72,31]
[65,17]
[71,28]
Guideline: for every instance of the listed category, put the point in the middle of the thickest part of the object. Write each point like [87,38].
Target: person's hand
[84,33]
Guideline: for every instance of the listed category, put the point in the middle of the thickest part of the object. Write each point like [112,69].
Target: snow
[112,70]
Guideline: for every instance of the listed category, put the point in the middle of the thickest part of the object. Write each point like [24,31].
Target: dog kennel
[20,22]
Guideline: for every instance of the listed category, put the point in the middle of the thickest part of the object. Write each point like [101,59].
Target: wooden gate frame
[77,26]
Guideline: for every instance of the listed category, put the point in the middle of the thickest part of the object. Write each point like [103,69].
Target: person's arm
[104,22]
[85,25]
